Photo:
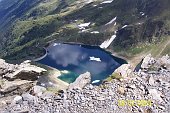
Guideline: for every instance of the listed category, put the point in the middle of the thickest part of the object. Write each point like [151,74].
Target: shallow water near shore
[78,59]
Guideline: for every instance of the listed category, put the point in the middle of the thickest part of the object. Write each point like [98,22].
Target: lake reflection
[79,59]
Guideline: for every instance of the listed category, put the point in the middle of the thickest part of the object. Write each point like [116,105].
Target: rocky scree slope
[150,83]
[16,79]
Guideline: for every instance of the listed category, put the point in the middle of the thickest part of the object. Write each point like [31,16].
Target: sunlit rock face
[78,59]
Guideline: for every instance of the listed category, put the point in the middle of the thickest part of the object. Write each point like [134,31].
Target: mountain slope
[30,25]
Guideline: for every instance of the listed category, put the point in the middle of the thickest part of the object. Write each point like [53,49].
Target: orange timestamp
[140,103]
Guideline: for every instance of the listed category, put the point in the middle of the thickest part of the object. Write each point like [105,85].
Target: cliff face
[146,90]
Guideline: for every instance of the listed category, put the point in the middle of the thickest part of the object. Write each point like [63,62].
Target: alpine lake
[76,59]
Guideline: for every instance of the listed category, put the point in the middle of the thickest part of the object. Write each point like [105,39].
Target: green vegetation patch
[113,76]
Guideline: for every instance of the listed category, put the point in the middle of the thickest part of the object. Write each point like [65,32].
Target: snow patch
[55,44]
[107,43]
[115,24]
[65,72]
[124,26]
[114,19]
[142,13]
[95,81]
[89,1]
[107,2]
[84,24]
[115,32]
[95,59]
[94,32]
[82,28]
[83,31]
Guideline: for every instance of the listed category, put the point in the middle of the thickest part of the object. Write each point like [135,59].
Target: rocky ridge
[145,91]
[16,79]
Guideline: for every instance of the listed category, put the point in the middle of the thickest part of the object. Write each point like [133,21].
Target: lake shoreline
[46,53]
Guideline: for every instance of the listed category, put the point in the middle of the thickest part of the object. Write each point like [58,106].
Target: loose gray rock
[38,90]
[28,97]
[17,99]
[125,70]
[147,62]
[156,95]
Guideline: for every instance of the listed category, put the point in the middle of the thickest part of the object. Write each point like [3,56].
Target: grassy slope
[54,20]
[40,29]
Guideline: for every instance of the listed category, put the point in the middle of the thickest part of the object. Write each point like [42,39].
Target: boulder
[27,72]
[121,90]
[81,81]
[28,97]
[6,68]
[16,87]
[151,80]
[147,62]
[125,70]
[38,90]
[24,71]
[164,62]
[17,99]
[16,79]
[156,95]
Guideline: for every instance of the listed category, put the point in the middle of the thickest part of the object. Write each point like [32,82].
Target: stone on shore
[81,81]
